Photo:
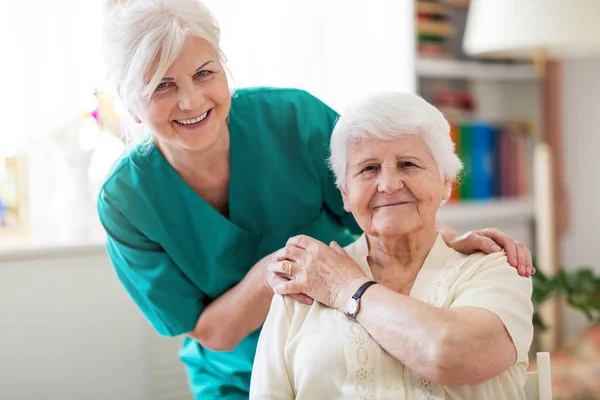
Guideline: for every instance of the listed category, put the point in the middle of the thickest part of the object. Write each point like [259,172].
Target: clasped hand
[324,273]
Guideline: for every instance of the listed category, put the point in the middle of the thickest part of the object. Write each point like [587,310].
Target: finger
[522,259]
[337,248]
[302,298]
[288,287]
[487,245]
[291,253]
[282,267]
[508,243]
[497,238]
[301,241]
[278,278]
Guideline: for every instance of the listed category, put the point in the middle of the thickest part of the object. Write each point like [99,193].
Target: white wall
[582,169]
[68,331]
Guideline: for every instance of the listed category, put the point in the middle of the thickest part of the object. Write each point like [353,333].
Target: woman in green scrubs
[193,213]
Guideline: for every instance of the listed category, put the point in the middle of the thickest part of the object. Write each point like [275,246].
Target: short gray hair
[387,116]
[141,36]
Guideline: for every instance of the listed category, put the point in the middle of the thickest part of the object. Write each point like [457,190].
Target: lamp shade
[517,28]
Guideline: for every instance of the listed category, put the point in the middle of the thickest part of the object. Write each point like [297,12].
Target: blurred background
[517,80]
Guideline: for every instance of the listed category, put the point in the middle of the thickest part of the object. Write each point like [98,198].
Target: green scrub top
[174,253]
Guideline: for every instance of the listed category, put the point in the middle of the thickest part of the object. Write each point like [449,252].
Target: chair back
[539,383]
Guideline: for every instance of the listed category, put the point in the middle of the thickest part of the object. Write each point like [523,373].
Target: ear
[447,190]
[345,198]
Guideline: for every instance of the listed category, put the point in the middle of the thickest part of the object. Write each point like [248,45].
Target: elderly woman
[399,314]
[217,183]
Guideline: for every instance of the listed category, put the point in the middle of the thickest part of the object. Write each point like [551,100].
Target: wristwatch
[353,305]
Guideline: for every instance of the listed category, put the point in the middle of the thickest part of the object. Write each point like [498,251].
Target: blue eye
[408,164]
[203,74]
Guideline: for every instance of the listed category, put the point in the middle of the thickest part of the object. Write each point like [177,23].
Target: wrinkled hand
[325,273]
[492,240]
[272,279]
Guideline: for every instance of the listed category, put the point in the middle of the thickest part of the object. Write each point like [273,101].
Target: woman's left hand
[325,273]
[491,240]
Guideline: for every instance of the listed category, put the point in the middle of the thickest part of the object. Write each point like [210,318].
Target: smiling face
[188,110]
[393,187]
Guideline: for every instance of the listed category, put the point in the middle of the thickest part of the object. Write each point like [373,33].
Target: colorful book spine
[482,160]
[465,151]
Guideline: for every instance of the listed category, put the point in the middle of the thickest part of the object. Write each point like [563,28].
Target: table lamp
[533,29]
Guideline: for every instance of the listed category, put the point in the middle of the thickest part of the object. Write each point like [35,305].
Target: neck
[202,164]
[407,252]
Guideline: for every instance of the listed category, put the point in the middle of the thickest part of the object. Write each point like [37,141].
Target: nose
[190,97]
[390,181]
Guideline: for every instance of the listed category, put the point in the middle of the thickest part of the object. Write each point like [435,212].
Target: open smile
[193,121]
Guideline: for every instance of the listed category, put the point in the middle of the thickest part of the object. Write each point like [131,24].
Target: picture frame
[13,197]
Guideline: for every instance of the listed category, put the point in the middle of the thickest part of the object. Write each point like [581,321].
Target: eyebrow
[369,160]
[168,79]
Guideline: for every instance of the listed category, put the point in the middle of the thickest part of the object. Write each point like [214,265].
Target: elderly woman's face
[393,187]
[189,107]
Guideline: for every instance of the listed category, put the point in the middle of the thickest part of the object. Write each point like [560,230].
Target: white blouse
[316,352]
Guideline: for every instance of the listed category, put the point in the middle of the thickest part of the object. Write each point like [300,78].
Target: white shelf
[487,213]
[453,69]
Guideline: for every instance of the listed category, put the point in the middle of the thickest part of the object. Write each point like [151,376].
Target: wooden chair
[539,383]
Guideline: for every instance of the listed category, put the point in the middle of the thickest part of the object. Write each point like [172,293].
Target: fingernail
[495,248]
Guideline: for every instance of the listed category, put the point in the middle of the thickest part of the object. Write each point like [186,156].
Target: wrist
[348,291]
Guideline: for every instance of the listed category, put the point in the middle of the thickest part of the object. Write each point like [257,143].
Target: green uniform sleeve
[322,120]
[166,297]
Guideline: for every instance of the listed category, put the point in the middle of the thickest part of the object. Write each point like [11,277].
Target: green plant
[579,288]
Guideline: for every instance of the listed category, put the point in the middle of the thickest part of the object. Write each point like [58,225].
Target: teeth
[192,121]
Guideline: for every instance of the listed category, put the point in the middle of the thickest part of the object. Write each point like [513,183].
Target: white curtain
[336,49]
[50,64]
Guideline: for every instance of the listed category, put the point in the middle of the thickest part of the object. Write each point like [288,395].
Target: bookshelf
[486,212]
[476,70]
[471,91]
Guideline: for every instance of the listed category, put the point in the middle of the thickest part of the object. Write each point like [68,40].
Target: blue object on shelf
[2,212]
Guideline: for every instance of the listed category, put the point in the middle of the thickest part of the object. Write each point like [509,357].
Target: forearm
[446,346]
[234,315]
[409,330]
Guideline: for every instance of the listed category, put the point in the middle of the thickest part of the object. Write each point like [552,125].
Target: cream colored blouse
[316,352]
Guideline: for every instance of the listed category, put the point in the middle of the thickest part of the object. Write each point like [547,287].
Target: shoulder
[296,103]
[491,267]
[127,179]
[265,93]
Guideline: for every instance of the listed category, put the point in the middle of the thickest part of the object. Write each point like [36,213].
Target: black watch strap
[362,289]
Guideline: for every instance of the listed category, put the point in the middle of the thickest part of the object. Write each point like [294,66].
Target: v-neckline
[425,277]
[233,181]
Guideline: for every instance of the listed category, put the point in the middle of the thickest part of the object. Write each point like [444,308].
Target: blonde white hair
[143,37]
[388,116]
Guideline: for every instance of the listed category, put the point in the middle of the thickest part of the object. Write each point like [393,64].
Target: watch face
[352,306]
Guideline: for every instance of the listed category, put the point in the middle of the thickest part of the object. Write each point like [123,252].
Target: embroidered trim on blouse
[361,353]
[423,387]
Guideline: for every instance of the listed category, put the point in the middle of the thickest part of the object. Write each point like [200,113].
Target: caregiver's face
[189,108]
[393,187]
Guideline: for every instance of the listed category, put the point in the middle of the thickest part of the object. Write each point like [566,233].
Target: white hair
[146,36]
[388,116]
